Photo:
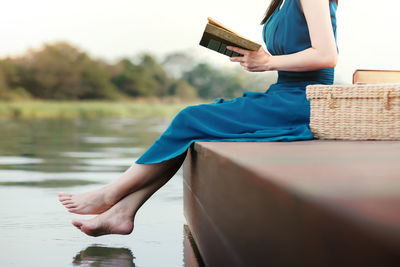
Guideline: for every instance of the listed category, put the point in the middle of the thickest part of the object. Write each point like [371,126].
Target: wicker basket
[355,112]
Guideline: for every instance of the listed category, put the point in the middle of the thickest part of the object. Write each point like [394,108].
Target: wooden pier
[309,203]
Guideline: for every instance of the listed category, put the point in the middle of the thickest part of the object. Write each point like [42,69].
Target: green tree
[147,78]
[62,71]
[10,88]
[3,84]
[183,90]
[158,74]
[9,71]
[134,80]
[211,82]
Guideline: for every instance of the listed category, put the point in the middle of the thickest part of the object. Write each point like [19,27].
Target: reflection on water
[39,158]
[98,256]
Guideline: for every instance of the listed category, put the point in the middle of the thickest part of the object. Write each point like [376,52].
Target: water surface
[39,158]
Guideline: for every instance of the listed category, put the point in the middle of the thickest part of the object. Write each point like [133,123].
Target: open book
[216,37]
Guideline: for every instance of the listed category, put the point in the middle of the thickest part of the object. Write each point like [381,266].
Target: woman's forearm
[306,60]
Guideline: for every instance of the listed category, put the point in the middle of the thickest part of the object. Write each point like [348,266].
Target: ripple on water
[19,160]
[106,140]
[87,154]
[122,150]
[50,183]
[97,168]
[110,162]
[23,176]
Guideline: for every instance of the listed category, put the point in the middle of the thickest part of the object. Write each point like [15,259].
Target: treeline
[63,72]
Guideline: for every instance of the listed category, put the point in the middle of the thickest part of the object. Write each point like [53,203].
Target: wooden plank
[191,255]
[313,203]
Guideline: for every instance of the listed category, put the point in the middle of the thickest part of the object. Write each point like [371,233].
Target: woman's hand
[252,60]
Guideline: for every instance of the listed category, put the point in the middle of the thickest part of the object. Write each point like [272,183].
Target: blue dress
[282,113]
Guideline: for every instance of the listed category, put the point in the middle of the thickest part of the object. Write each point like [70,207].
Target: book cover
[376,76]
[217,37]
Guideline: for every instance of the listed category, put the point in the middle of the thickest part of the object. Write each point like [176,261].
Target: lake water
[39,158]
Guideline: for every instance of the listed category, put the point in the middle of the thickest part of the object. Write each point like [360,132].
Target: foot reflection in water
[104,256]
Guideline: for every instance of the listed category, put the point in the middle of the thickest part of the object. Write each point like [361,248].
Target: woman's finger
[237,59]
[238,50]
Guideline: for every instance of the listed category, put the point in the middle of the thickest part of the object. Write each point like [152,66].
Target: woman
[300,34]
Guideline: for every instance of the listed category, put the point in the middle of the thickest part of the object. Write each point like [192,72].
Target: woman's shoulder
[299,4]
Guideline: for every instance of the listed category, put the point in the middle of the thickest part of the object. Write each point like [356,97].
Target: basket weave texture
[355,112]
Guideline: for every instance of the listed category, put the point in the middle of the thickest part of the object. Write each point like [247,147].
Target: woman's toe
[77,223]
[73,210]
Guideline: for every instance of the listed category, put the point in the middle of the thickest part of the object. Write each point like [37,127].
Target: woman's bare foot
[92,202]
[119,218]
[133,179]
[112,221]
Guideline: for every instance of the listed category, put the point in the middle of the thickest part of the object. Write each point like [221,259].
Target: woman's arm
[321,54]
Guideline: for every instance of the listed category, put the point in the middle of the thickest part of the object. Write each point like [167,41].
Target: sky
[110,30]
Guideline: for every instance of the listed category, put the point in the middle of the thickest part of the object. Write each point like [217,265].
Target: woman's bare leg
[136,177]
[119,218]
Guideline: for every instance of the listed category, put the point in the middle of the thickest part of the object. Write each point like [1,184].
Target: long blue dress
[282,113]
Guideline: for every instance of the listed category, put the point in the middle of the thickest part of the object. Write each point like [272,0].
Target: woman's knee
[189,111]
[186,116]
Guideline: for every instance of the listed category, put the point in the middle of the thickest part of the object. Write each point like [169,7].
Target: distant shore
[50,109]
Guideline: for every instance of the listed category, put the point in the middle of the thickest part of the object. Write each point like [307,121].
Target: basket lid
[378,90]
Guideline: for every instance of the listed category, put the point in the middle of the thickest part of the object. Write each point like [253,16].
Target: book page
[235,39]
[218,24]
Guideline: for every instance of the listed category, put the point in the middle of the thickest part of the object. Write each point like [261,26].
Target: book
[376,76]
[217,37]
